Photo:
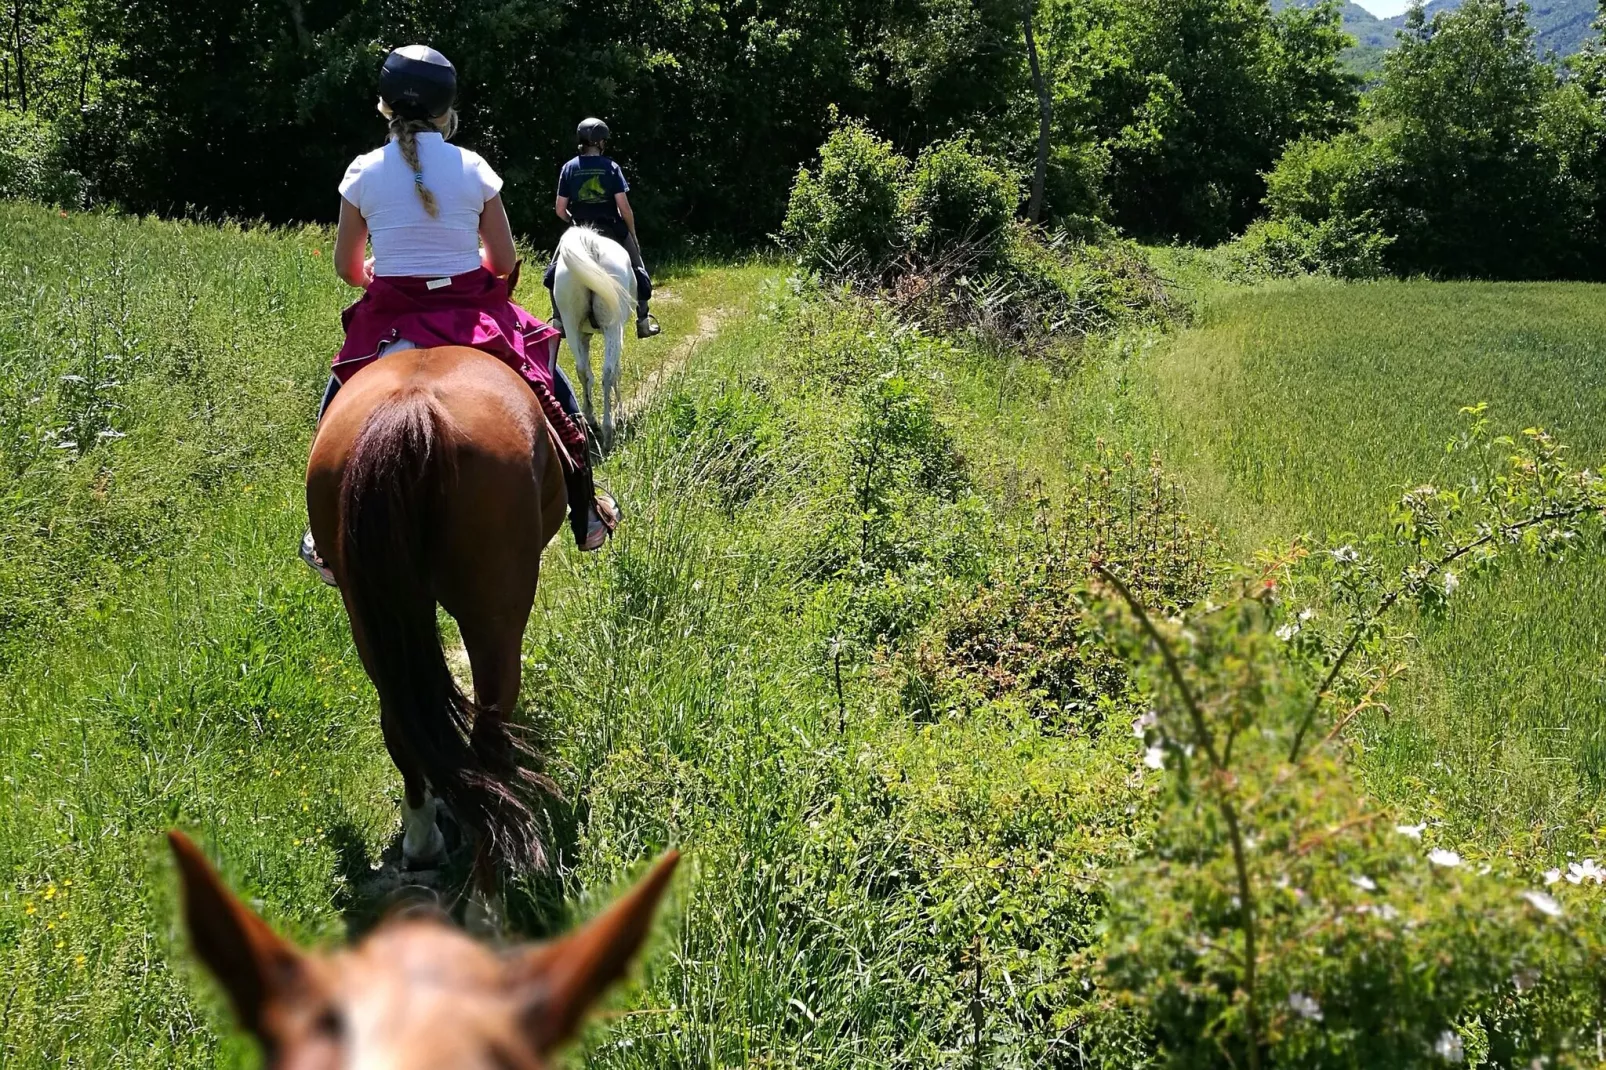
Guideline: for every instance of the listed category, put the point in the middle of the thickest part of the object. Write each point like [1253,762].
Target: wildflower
[1543,903]
[29,909]
[1154,758]
[317,252]
[1413,831]
[1552,876]
[1305,1007]
[1287,632]
[80,960]
[1345,555]
[50,893]
[66,883]
[1387,912]
[1306,614]
[1440,857]
[1578,873]
[1144,722]
[1366,884]
[1451,582]
[1448,1047]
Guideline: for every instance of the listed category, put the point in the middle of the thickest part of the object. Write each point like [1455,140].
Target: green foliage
[33,164]
[1339,246]
[957,198]
[1203,98]
[1475,160]
[844,216]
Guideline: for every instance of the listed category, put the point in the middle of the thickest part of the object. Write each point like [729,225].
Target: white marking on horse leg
[422,841]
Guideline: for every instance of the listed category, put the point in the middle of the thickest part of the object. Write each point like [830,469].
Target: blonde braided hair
[405,132]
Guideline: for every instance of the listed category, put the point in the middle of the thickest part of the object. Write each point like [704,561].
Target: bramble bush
[844,216]
[956,197]
[956,260]
[1280,918]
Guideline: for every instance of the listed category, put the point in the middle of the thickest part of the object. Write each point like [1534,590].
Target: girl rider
[427,205]
[592,192]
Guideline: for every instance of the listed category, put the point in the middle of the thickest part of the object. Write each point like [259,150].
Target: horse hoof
[431,857]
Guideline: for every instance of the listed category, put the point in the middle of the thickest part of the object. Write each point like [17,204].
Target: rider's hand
[367,272]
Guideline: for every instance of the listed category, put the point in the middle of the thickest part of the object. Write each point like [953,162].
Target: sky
[1384,8]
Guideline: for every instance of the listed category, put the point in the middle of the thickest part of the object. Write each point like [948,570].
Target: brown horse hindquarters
[432,480]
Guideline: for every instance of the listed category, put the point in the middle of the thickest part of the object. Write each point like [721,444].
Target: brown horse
[415,994]
[433,480]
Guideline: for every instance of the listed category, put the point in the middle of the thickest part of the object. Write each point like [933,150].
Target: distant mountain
[1561,26]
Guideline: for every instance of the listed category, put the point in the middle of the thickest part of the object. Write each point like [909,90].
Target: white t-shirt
[407,240]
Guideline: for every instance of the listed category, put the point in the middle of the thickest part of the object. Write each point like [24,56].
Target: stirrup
[309,554]
[608,515]
[647,326]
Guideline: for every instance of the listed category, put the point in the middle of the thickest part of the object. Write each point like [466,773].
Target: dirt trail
[708,324]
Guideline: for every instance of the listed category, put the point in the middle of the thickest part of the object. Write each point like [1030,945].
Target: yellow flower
[62,916]
[80,960]
[66,884]
[50,925]
[29,909]
[50,892]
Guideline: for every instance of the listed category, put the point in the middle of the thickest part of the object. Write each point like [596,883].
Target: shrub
[958,198]
[844,217]
[1341,246]
[33,165]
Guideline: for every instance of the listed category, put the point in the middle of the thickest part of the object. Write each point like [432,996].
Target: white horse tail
[581,253]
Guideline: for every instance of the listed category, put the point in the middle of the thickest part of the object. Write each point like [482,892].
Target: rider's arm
[351,247]
[499,255]
[623,201]
[563,209]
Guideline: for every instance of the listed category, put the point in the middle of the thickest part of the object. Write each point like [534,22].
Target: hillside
[1561,26]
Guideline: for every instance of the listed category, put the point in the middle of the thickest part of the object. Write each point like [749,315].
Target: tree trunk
[16,38]
[1045,116]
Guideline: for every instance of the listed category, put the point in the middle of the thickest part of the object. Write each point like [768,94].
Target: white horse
[595,291]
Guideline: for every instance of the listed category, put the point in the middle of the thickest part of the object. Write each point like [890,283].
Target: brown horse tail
[392,504]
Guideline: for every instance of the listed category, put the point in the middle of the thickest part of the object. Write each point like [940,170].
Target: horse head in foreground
[595,291]
[415,993]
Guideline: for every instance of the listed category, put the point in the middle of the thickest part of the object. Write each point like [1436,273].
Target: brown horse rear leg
[423,846]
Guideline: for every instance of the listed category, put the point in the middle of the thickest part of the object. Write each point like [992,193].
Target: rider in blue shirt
[592,192]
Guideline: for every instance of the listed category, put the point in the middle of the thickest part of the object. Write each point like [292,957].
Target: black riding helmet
[418,82]
[592,132]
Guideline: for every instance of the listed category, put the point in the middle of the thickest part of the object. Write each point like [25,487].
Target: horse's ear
[252,962]
[564,978]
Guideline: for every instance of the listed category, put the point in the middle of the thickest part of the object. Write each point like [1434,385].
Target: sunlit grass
[1308,409]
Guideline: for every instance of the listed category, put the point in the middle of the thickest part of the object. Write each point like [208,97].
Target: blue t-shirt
[591,183]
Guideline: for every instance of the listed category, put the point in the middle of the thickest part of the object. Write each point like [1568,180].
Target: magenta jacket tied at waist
[472,309]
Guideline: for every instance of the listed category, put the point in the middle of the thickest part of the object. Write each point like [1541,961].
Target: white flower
[1287,632]
[1578,873]
[1306,614]
[1451,582]
[1448,1047]
[1413,831]
[1387,912]
[1543,903]
[1345,555]
[1552,876]
[1305,1007]
[1154,758]
[1144,722]
[1364,883]
[1440,857]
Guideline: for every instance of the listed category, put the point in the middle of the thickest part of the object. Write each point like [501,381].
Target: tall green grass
[1308,408]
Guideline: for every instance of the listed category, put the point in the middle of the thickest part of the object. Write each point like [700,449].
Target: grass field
[1308,408]
[875,877]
